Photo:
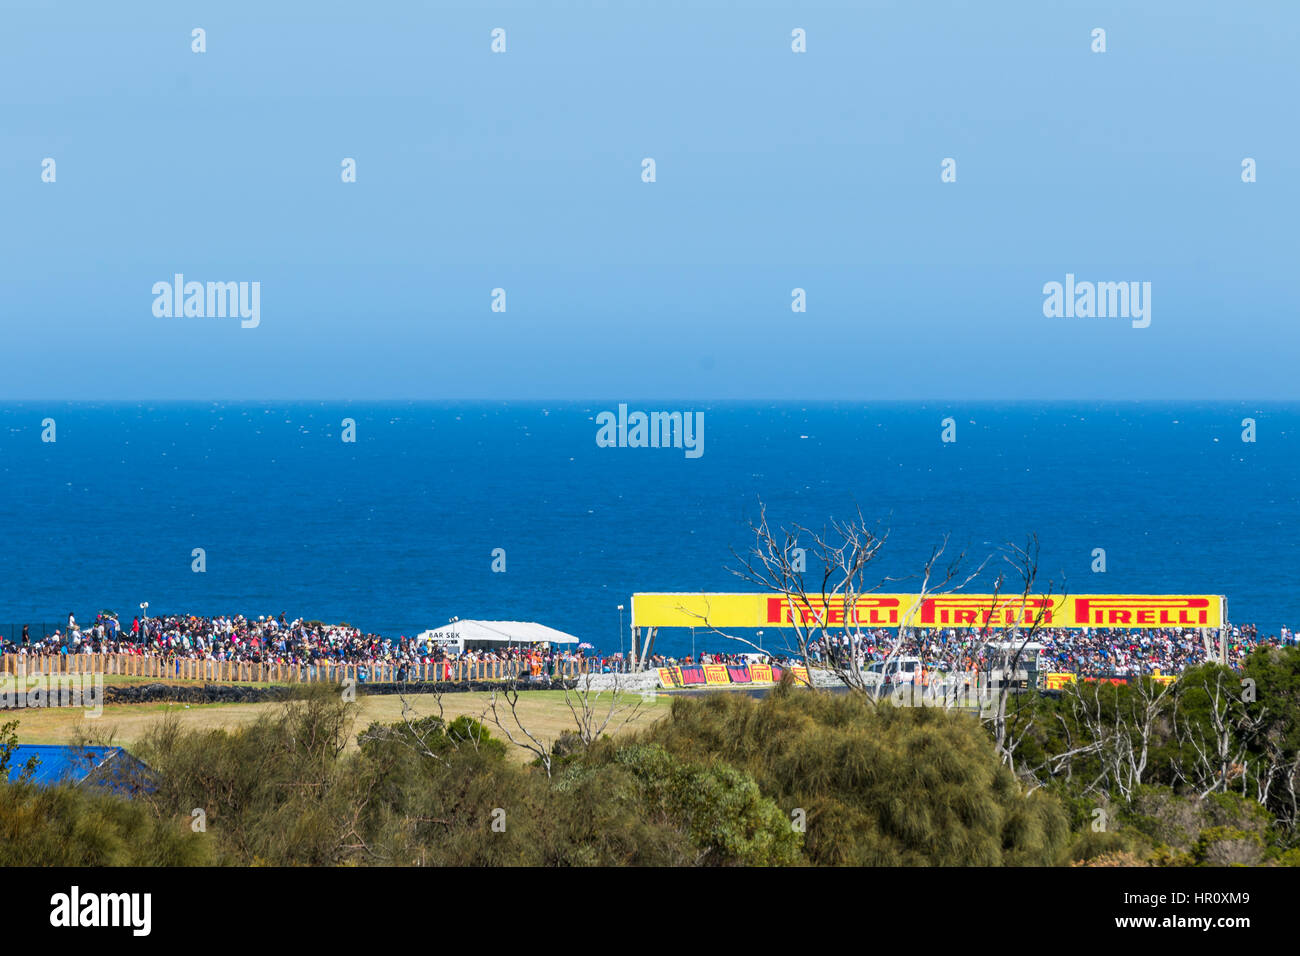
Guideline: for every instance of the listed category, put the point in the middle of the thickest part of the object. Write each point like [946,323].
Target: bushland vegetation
[1201,772]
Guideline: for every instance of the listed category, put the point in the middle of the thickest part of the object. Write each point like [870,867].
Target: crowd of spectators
[266,639]
[1087,651]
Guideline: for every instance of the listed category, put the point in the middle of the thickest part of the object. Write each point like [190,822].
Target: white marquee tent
[480,634]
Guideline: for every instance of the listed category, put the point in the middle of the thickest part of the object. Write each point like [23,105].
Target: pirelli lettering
[867,611]
[972,610]
[1125,610]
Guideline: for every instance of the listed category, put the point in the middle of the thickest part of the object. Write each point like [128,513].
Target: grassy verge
[543,712]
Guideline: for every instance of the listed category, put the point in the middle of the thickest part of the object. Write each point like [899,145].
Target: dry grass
[543,712]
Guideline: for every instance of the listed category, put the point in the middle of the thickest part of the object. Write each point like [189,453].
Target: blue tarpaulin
[110,767]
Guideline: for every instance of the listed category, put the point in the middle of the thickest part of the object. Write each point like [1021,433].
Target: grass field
[543,712]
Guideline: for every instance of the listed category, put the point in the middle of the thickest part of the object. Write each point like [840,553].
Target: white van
[899,670]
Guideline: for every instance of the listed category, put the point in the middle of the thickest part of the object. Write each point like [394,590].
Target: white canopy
[498,632]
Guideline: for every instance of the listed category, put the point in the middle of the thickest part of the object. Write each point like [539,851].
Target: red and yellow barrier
[716,674]
[691,675]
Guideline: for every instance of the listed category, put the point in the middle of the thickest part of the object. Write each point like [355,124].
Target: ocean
[396,532]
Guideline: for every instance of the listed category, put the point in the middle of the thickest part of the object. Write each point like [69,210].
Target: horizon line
[649,399]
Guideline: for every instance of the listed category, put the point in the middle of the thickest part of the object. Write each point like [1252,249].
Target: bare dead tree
[525,740]
[1016,619]
[1121,728]
[825,581]
[1062,763]
[1218,751]
[1146,704]
[1275,774]
[420,734]
[1289,772]
[593,717]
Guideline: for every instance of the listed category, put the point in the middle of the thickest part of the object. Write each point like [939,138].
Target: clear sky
[523,171]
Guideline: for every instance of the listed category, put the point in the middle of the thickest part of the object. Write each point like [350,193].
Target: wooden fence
[178,668]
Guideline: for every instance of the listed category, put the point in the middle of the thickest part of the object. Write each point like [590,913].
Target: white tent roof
[505,632]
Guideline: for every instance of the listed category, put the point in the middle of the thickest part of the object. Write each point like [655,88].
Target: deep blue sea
[395,532]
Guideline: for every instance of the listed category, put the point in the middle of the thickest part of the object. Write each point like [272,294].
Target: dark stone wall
[243,694]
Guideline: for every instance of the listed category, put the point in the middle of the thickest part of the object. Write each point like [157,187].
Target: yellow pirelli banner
[944,610]
[716,674]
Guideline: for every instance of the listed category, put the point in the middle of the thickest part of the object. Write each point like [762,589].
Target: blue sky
[522,170]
